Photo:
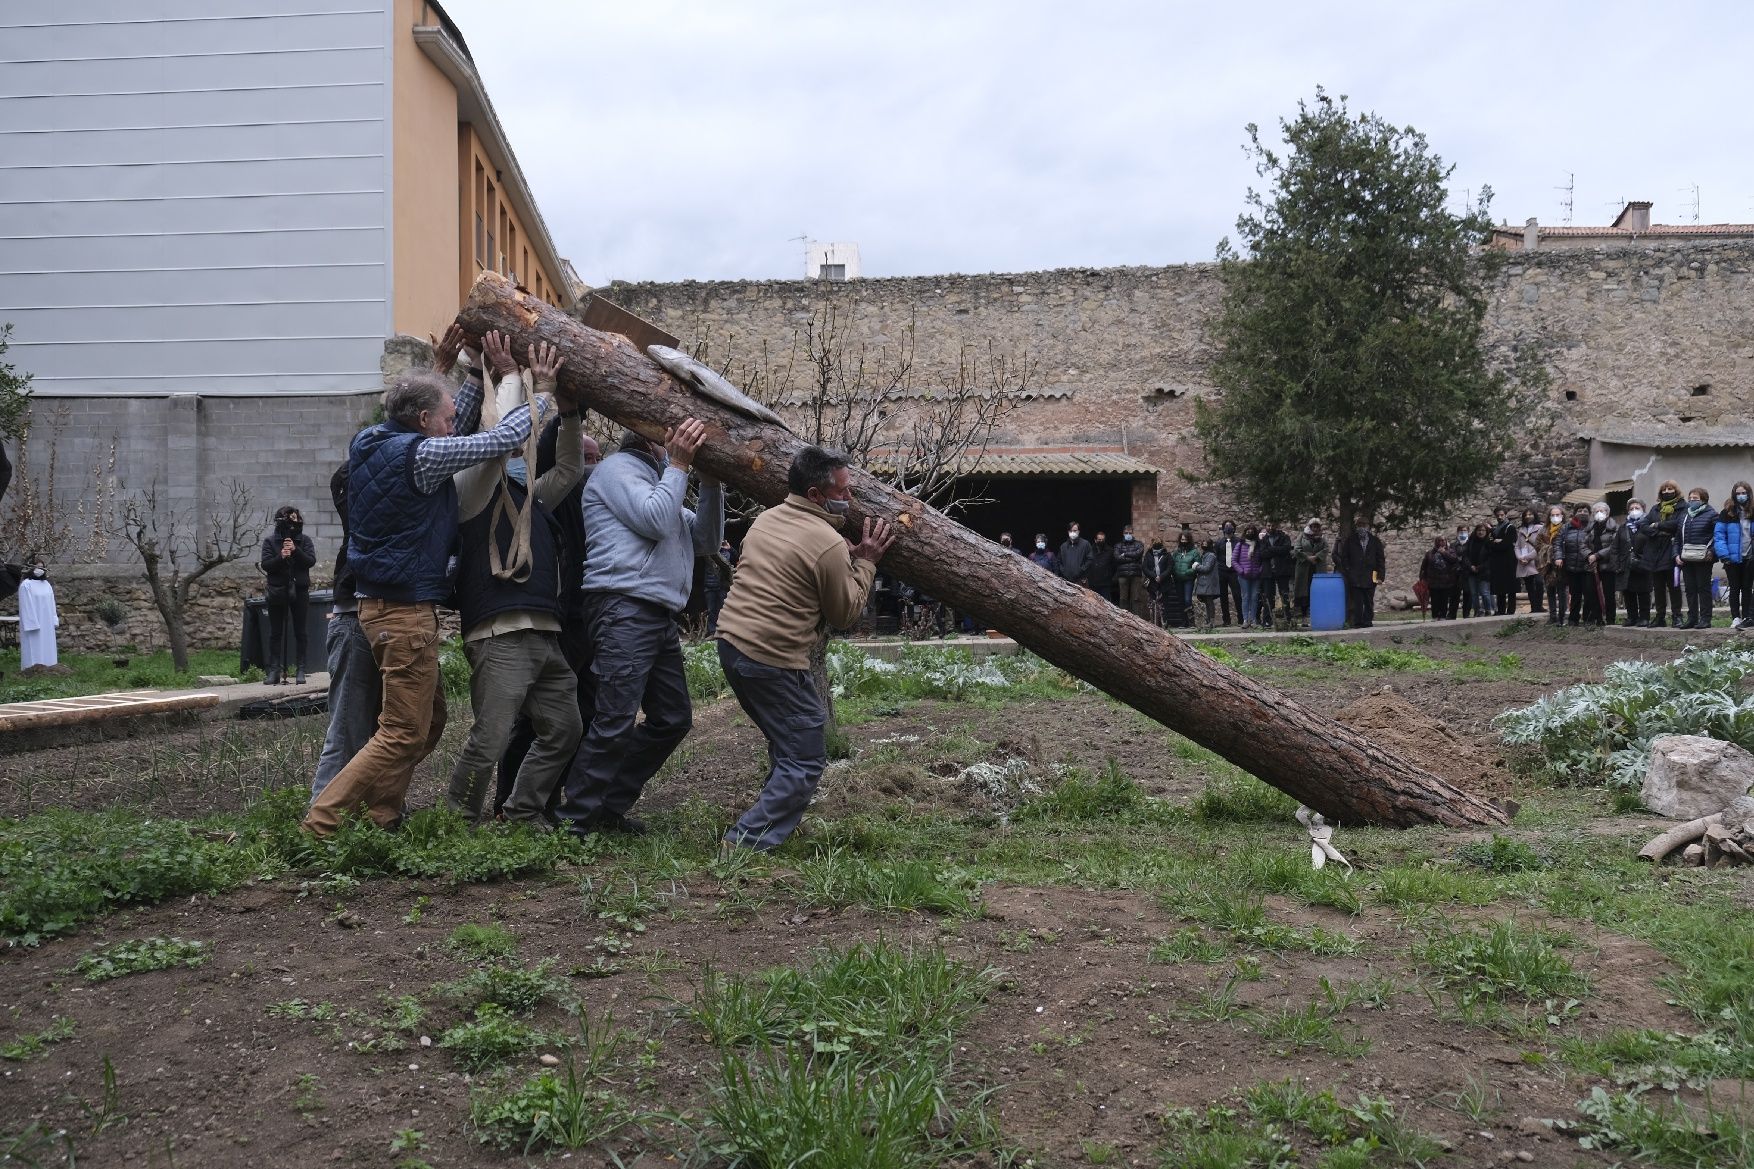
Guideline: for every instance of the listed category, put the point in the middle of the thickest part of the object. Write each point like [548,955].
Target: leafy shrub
[138,957]
[1602,730]
[493,1037]
[519,990]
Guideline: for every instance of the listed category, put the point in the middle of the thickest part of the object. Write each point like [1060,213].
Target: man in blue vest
[639,569]
[509,592]
[402,508]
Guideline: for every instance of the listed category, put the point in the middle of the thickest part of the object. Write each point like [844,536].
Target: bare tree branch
[153,529]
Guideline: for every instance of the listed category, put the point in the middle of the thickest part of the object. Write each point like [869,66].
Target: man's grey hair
[813,467]
[413,392]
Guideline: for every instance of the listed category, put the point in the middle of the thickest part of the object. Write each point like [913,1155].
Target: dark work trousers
[1739,579]
[785,706]
[1467,592]
[636,664]
[1230,592]
[1505,603]
[1696,582]
[1556,598]
[1532,586]
[575,646]
[1584,608]
[1361,606]
[1279,586]
[1638,600]
[294,604]
[1443,604]
[1668,595]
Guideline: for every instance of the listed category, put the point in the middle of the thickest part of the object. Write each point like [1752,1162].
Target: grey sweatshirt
[642,540]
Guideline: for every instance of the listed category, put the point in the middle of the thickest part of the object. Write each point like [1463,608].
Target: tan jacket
[793,575]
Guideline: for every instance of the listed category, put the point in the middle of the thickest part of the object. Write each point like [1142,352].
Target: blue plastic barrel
[1327,601]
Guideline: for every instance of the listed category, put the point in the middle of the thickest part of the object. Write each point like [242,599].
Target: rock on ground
[1692,776]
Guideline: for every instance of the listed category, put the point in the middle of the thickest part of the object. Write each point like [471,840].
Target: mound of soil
[1388,719]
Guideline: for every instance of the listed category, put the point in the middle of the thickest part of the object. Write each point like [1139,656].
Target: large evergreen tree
[1349,341]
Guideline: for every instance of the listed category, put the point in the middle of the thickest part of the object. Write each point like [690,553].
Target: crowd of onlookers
[1654,563]
[1258,576]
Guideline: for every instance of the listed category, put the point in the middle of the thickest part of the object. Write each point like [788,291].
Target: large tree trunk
[1328,766]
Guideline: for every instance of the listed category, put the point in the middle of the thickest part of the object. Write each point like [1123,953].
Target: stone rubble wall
[1122,354]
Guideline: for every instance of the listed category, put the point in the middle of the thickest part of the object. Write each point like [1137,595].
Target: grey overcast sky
[670,140]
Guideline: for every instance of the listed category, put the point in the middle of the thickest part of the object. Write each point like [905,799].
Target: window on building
[476,194]
[831,272]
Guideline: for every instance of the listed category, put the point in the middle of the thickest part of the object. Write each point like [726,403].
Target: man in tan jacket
[795,575]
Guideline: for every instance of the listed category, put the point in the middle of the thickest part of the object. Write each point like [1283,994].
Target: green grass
[1665,1132]
[836,878]
[1503,961]
[97,674]
[1355,655]
[481,943]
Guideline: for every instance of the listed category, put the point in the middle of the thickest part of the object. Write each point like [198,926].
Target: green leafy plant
[492,1038]
[1602,730]
[137,957]
[519,990]
[482,942]
[30,1046]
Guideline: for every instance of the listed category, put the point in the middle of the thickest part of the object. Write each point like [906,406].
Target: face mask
[1128,537]
[1741,497]
[1692,503]
[1636,513]
[1041,545]
[1578,521]
[1072,535]
[38,573]
[516,469]
[1668,495]
[1601,516]
[1556,518]
[1461,537]
[1229,531]
[837,506]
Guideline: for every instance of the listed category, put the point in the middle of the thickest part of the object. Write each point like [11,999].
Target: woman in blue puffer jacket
[1732,544]
[1695,527]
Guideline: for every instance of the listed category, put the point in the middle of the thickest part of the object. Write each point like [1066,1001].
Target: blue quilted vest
[399,538]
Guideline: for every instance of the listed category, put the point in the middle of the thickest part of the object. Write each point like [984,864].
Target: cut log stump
[1319,762]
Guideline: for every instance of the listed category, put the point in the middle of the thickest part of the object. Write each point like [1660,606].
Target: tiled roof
[1061,461]
[1663,437]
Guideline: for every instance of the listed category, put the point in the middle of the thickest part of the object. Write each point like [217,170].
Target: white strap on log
[1321,834]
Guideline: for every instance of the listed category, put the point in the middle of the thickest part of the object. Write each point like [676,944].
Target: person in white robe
[37,619]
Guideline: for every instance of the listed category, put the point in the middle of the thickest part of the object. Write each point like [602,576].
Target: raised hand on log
[1326,765]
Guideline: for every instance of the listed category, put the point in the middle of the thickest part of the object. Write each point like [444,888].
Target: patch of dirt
[1391,721]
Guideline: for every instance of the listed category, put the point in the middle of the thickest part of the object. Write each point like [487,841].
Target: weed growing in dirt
[1110,797]
[299,1009]
[1665,1133]
[492,1038]
[561,1109]
[1502,854]
[137,957]
[1419,886]
[1243,916]
[836,877]
[1603,729]
[1504,960]
[845,1061]
[1263,1133]
[1233,796]
[30,1046]
[482,943]
[868,1000]
[518,990]
[1309,1026]
[1189,945]
[305,1099]
[1478,1100]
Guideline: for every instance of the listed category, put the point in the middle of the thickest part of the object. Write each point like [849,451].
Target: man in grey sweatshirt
[639,569]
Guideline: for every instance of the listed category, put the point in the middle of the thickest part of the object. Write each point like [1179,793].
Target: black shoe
[611,824]
[299,679]
[273,678]
[1680,624]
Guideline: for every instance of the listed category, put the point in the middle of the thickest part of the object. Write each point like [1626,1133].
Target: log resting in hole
[1321,763]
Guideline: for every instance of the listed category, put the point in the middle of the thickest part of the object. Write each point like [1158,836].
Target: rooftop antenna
[806,241]
[1692,189]
[1569,203]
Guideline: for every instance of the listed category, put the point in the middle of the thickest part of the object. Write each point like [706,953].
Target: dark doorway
[1025,505]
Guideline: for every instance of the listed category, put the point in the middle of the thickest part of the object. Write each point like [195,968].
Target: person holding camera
[287,557]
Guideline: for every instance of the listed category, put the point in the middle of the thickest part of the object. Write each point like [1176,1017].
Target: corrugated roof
[1592,494]
[1665,438]
[1008,464]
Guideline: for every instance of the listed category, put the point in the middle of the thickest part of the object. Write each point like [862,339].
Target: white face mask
[1128,537]
[1601,516]
[837,506]
[1557,517]
[1041,545]
[1636,513]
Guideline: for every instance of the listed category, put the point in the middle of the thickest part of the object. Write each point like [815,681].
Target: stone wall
[1121,354]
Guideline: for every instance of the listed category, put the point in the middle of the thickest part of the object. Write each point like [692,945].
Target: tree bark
[1327,766]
